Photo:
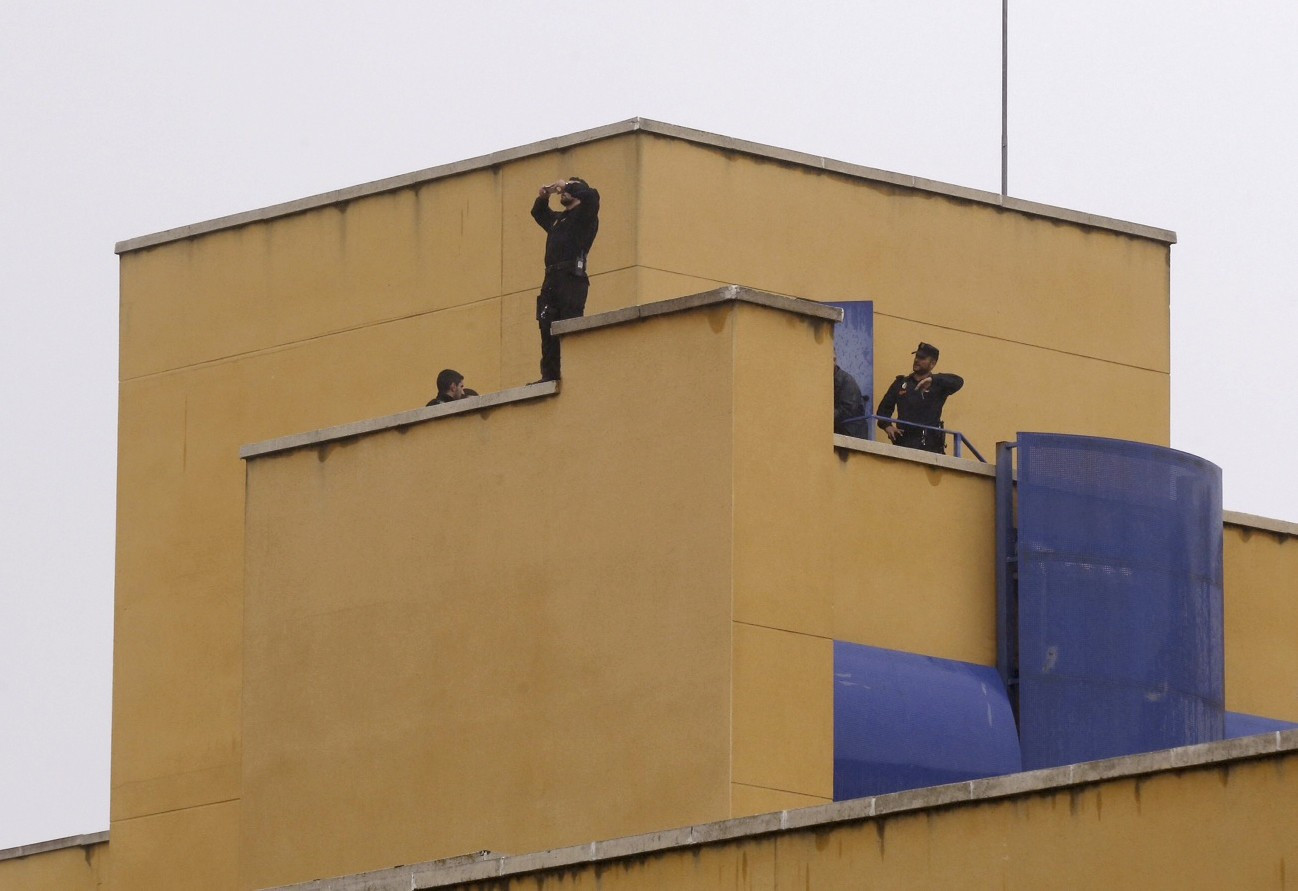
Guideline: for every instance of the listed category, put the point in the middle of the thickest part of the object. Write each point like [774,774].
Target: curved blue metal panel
[904,721]
[1119,599]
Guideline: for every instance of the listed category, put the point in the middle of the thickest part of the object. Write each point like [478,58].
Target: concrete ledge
[464,868]
[403,419]
[915,456]
[633,125]
[56,844]
[874,174]
[1251,521]
[376,187]
[441,874]
[970,465]
[727,294]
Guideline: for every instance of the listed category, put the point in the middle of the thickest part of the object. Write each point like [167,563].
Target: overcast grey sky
[126,118]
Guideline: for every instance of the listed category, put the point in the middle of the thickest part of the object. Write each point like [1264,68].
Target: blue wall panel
[854,345]
[904,721]
[1242,724]
[1120,645]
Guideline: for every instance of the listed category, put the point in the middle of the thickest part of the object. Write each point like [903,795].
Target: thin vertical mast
[1005,94]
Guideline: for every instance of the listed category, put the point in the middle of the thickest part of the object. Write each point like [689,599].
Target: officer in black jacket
[919,397]
[569,235]
[849,405]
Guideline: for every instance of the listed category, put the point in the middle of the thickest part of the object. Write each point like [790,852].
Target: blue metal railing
[957,437]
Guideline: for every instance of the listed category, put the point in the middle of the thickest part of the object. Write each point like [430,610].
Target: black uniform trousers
[563,296]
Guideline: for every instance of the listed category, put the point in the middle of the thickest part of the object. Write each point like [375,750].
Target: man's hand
[893,432]
[923,385]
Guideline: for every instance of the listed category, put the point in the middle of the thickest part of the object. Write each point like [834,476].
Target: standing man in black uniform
[569,235]
[919,397]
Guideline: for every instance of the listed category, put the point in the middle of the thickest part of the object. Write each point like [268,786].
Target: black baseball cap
[926,349]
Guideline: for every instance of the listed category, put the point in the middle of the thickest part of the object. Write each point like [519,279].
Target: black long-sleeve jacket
[912,404]
[570,233]
[848,403]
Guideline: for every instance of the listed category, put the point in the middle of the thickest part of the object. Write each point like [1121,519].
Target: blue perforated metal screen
[1119,599]
[854,345]
[903,721]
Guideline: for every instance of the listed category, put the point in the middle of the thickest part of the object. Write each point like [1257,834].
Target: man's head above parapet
[450,383]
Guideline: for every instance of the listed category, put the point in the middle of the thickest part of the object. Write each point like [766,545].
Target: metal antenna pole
[1005,94]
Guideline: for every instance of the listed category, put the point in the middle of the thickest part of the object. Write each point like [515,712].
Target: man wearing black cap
[569,235]
[919,397]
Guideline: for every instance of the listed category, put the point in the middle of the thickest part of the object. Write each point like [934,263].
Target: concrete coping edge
[967,465]
[55,844]
[1251,521]
[915,456]
[632,125]
[441,873]
[401,419]
[717,296]
[714,297]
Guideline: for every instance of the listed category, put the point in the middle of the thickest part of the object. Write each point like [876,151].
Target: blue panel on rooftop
[1241,724]
[1119,599]
[905,721]
[854,345]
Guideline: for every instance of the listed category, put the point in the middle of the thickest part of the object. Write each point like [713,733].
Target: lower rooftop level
[1214,815]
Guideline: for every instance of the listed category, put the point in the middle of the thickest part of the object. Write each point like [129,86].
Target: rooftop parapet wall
[1114,823]
[76,863]
[1261,616]
[645,125]
[986,284]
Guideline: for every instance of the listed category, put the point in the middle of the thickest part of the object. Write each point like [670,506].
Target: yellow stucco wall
[305,321]
[1261,617]
[505,630]
[192,848]
[1055,327]
[74,868]
[348,311]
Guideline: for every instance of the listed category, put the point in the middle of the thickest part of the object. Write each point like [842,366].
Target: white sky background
[122,119]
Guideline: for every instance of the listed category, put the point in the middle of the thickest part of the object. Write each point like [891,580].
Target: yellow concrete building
[353,633]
